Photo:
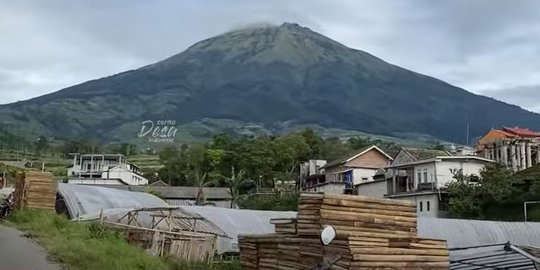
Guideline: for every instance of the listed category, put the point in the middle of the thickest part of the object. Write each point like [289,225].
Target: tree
[200,181]
[288,152]
[314,142]
[42,144]
[484,196]
[235,184]
[465,193]
[437,146]
[359,142]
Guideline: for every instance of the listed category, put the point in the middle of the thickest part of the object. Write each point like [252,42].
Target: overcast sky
[488,47]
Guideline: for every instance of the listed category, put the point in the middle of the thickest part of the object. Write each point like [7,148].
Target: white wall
[427,167]
[433,200]
[360,173]
[444,173]
[129,177]
[332,188]
[372,189]
[95,181]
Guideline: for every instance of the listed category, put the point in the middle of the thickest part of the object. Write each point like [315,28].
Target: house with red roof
[515,147]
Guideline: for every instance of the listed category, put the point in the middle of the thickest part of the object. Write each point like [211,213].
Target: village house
[340,176]
[104,169]
[421,175]
[515,148]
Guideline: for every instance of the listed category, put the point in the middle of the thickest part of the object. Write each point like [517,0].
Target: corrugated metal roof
[489,257]
[466,233]
[84,200]
[236,221]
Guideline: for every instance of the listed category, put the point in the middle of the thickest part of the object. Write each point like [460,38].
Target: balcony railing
[426,186]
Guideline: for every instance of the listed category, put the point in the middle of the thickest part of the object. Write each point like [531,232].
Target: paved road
[19,253]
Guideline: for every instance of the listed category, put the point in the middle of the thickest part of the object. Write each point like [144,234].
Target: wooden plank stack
[372,234]
[379,250]
[35,190]
[284,225]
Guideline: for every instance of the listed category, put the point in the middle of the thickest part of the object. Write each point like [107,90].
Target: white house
[104,169]
[424,181]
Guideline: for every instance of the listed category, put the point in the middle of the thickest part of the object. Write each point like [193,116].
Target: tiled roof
[507,134]
[524,132]
[345,157]
[421,154]
[354,154]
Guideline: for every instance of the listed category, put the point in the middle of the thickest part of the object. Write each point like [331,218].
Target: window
[425,176]
[427,206]
[421,206]
[419,176]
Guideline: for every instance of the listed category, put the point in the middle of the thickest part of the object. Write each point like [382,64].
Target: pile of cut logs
[35,190]
[372,234]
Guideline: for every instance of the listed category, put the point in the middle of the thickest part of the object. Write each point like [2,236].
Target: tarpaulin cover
[86,200]
[236,221]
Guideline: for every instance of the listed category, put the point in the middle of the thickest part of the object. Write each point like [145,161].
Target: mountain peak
[288,43]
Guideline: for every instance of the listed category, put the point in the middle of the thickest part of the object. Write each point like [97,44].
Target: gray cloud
[478,45]
[527,96]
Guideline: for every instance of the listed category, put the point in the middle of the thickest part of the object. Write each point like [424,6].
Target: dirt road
[19,253]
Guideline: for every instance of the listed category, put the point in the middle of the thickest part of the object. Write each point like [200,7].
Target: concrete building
[104,169]
[311,170]
[516,148]
[424,181]
[341,175]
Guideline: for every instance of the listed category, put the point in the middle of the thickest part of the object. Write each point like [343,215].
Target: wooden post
[538,154]
[394,181]
[101,217]
[504,154]
[522,156]
[513,154]
[529,155]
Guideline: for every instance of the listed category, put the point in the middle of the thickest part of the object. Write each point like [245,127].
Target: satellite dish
[328,235]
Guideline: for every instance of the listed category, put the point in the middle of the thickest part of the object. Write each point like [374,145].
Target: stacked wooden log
[355,214]
[270,251]
[36,190]
[372,234]
[309,214]
[380,250]
[284,225]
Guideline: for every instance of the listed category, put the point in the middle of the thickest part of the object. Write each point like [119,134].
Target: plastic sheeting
[466,233]
[235,222]
[88,201]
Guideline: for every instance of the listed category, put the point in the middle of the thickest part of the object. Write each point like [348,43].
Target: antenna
[467,134]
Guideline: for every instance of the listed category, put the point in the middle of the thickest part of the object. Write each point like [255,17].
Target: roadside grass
[87,246]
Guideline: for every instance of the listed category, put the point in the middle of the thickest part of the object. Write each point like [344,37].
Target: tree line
[266,160]
[498,193]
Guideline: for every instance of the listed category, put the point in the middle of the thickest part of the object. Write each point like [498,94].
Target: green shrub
[274,202]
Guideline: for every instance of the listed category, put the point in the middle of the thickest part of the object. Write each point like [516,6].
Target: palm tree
[235,182]
[200,181]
